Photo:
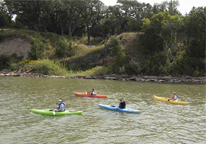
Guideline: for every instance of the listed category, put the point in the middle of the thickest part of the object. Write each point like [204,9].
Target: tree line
[83,17]
[163,25]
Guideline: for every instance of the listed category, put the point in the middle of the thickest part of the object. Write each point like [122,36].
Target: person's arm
[120,105]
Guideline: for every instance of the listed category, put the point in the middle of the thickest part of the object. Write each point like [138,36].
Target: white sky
[184,7]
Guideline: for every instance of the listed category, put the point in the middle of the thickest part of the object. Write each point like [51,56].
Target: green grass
[44,66]
[96,71]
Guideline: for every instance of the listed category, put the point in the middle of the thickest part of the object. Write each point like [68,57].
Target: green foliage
[135,66]
[188,66]
[44,66]
[96,71]
[63,49]
[150,42]
[37,48]
[5,19]
[134,25]
[115,48]
[155,65]
[120,58]
[196,33]
[196,73]
[4,62]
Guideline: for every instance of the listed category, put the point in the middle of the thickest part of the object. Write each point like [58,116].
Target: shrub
[45,66]
[62,48]
[37,49]
[115,48]
[114,45]
[135,66]
[155,65]
[4,62]
[96,71]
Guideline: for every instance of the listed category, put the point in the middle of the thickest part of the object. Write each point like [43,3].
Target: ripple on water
[158,122]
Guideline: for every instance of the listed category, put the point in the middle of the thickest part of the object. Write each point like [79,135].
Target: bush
[37,49]
[62,48]
[150,42]
[4,60]
[45,66]
[115,48]
[155,65]
[135,66]
[97,71]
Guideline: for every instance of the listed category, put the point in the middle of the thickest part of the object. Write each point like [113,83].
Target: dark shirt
[122,104]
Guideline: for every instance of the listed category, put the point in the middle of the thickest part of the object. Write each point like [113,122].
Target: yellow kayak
[171,101]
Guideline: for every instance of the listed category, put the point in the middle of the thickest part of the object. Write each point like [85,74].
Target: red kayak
[85,94]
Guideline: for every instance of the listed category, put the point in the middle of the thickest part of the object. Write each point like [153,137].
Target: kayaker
[174,97]
[61,106]
[93,92]
[122,104]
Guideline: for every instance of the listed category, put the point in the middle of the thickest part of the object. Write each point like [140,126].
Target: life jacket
[122,105]
[92,93]
[60,105]
[175,98]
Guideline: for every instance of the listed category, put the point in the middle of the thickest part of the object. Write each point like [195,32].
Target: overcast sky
[184,7]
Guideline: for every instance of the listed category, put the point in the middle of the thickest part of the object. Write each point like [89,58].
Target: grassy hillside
[122,54]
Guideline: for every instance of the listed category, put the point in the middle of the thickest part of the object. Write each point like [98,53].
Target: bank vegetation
[130,38]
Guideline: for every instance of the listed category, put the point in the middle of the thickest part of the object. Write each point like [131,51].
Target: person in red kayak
[174,97]
[93,92]
[122,104]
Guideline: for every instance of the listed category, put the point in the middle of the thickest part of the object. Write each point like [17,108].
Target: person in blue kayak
[122,104]
[174,97]
[93,92]
[61,106]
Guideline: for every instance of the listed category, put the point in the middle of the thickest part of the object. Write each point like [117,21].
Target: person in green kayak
[61,106]
[122,104]
[174,97]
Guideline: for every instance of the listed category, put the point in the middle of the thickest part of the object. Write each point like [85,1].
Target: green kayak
[50,112]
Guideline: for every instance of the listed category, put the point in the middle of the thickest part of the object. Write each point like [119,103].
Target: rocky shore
[167,79]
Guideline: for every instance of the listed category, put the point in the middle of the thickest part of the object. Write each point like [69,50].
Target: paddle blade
[54,113]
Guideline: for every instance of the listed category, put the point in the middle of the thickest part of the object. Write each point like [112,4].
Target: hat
[60,100]
[121,99]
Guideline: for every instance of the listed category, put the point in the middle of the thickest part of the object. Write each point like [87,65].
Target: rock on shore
[167,79]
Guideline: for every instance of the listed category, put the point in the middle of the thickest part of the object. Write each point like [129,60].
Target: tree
[45,15]
[28,11]
[164,26]
[92,14]
[196,33]
[5,18]
[173,7]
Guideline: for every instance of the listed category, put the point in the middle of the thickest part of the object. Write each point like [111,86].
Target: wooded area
[165,31]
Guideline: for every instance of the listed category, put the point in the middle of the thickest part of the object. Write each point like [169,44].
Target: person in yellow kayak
[174,97]
[93,92]
[61,106]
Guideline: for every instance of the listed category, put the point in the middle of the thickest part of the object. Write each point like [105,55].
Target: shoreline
[160,79]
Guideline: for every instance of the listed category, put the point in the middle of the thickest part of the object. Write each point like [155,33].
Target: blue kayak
[114,108]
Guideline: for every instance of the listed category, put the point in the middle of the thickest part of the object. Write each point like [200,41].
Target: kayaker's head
[174,93]
[121,99]
[60,100]
[93,89]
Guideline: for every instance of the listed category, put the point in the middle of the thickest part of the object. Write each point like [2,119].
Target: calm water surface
[158,122]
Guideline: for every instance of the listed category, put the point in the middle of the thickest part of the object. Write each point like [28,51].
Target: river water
[158,122]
